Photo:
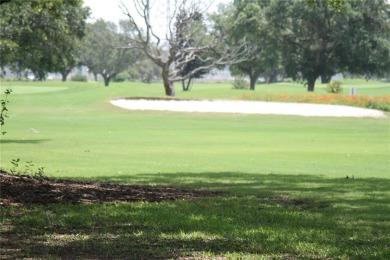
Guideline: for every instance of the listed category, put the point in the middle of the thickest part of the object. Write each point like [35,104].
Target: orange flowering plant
[380,102]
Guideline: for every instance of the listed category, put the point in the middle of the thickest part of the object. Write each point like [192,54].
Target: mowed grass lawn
[285,176]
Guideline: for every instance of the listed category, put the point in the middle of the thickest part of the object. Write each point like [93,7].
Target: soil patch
[26,190]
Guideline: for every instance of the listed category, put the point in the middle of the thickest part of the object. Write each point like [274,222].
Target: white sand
[247,107]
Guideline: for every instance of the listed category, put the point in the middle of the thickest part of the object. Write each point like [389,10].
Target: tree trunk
[253,77]
[189,84]
[310,84]
[272,76]
[252,83]
[168,84]
[186,87]
[169,89]
[39,75]
[325,79]
[183,84]
[64,75]
[106,80]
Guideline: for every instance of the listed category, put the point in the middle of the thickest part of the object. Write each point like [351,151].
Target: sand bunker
[246,107]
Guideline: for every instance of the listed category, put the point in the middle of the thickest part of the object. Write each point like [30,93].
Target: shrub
[121,77]
[79,77]
[28,170]
[334,87]
[240,83]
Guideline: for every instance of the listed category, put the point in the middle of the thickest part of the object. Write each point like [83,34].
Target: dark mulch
[26,190]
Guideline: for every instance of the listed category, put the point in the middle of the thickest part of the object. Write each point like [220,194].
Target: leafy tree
[102,50]
[66,64]
[174,58]
[40,35]
[191,66]
[252,19]
[339,5]
[144,70]
[368,38]
[188,42]
[320,40]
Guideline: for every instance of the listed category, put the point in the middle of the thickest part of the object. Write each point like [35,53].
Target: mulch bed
[20,190]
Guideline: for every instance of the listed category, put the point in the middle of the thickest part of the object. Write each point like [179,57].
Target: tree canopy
[187,42]
[103,52]
[41,35]
[321,40]
[316,38]
[252,20]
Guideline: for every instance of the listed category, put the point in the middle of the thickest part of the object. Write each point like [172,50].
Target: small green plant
[121,77]
[79,77]
[29,169]
[334,87]
[4,109]
[15,165]
[240,83]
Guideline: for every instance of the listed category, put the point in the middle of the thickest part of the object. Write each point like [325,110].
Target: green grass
[285,176]
[233,227]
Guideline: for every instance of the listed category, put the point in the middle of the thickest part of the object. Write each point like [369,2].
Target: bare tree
[185,41]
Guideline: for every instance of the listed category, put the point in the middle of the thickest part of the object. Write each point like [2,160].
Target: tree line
[302,39]
[310,40]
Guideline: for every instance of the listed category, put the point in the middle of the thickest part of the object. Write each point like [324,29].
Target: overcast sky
[109,9]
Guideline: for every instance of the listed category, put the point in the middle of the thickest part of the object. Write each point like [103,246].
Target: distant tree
[102,52]
[188,42]
[191,66]
[173,58]
[366,48]
[144,70]
[66,64]
[339,5]
[320,40]
[4,1]
[252,19]
[40,35]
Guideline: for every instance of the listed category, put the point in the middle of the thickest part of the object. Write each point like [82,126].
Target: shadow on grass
[263,185]
[368,197]
[11,141]
[269,215]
